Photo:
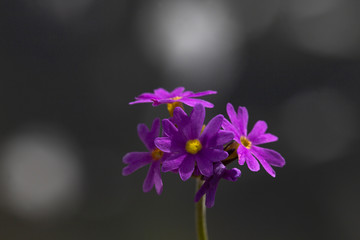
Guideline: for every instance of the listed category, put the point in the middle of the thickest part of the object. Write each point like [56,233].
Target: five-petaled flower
[154,157]
[248,151]
[211,183]
[161,96]
[188,144]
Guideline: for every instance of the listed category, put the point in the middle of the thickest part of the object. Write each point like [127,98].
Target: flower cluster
[192,149]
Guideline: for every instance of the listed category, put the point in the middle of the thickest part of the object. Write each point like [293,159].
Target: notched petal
[163,143]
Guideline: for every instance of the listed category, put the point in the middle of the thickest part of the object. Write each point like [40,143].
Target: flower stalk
[200,214]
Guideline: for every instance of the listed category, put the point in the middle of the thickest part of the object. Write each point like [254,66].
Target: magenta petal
[133,157]
[187,93]
[180,117]
[259,128]
[205,166]
[232,115]
[202,191]
[158,182]
[155,128]
[187,167]
[266,165]
[241,151]
[192,102]
[163,143]
[265,138]
[143,130]
[272,157]
[148,137]
[149,180]
[211,183]
[168,127]
[210,195]
[140,101]
[227,126]
[153,178]
[161,96]
[177,92]
[224,137]
[200,94]
[161,93]
[135,160]
[147,96]
[173,162]
[252,163]
[177,139]
[243,118]
[258,135]
[213,155]
[212,128]
[156,102]
[232,174]
[165,100]
[197,117]
[178,143]
[157,177]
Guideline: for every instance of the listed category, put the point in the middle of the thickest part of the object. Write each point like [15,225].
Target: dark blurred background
[70,67]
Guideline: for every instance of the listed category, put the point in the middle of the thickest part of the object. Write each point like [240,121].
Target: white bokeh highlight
[40,175]
[196,40]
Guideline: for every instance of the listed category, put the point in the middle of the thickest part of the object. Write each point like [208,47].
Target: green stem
[200,214]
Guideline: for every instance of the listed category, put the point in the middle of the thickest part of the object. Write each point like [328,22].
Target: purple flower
[211,183]
[154,157]
[161,96]
[248,151]
[188,144]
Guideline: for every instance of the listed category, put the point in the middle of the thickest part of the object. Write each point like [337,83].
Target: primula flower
[248,151]
[211,183]
[161,96]
[154,157]
[188,144]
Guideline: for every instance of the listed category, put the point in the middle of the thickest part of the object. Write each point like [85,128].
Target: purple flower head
[248,151]
[211,183]
[154,157]
[188,144]
[161,96]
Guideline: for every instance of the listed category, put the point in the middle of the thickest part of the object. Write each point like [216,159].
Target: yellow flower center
[171,107]
[193,146]
[157,154]
[176,98]
[245,142]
